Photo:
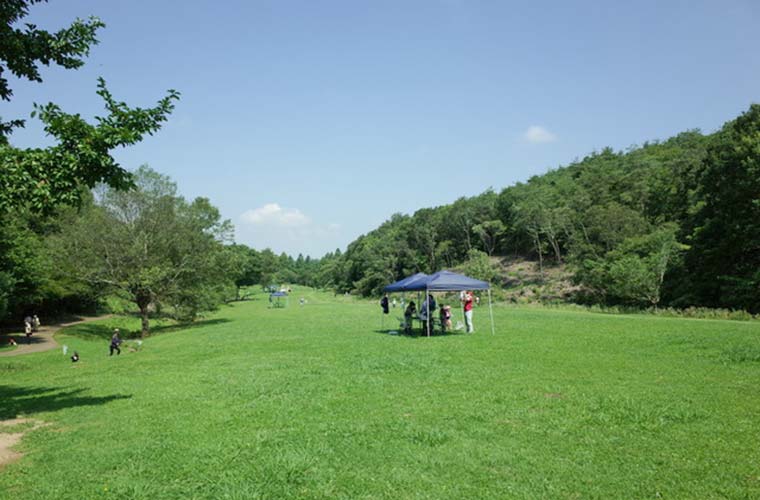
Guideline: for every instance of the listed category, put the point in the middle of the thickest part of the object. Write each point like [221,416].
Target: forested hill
[672,223]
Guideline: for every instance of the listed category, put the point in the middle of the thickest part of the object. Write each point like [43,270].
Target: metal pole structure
[427,309]
[490,309]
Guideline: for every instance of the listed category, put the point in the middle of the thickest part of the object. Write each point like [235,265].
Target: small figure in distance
[302,301]
[115,342]
[75,357]
[12,341]
[411,310]
[28,331]
[384,303]
[35,323]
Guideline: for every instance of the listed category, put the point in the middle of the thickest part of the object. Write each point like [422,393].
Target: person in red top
[467,305]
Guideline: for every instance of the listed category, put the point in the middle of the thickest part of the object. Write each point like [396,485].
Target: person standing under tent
[410,311]
[445,318]
[426,313]
[467,299]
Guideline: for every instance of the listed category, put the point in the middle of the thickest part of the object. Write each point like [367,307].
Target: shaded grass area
[130,327]
[312,402]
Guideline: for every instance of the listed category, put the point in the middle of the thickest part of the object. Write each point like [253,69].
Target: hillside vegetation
[672,223]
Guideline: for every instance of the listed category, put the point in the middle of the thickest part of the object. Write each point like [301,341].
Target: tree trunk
[144,320]
[537,241]
[555,247]
[143,300]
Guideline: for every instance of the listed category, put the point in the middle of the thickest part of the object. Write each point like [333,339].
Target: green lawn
[316,402]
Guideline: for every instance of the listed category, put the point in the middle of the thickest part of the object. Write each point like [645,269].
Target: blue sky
[309,123]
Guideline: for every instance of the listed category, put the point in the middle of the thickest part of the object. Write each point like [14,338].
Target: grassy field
[317,402]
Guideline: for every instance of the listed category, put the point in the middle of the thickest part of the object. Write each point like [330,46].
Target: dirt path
[42,339]
[9,439]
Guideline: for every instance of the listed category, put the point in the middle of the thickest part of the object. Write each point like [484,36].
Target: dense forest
[673,223]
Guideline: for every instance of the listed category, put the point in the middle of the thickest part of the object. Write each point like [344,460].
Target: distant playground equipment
[278,299]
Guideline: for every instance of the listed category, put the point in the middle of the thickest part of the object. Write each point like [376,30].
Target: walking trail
[42,339]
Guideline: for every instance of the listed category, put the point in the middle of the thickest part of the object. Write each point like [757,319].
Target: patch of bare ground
[10,439]
[525,282]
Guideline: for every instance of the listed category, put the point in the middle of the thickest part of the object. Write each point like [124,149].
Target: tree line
[673,223]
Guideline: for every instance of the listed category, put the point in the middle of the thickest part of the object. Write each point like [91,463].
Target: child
[445,318]
[411,310]
[115,341]
[75,357]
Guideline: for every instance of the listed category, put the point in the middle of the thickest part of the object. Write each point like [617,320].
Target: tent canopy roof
[401,285]
[442,281]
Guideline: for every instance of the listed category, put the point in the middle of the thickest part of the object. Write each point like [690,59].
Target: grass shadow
[189,326]
[416,334]
[28,400]
[90,331]
[20,339]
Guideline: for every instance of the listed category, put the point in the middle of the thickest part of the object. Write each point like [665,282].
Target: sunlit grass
[316,402]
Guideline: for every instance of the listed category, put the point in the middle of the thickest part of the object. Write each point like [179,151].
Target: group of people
[427,310]
[31,324]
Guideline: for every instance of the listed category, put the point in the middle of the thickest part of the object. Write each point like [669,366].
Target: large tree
[153,247]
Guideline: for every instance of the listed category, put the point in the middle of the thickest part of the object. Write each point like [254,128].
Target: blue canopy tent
[274,299]
[403,285]
[442,281]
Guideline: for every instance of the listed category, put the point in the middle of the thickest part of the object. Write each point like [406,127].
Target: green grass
[316,402]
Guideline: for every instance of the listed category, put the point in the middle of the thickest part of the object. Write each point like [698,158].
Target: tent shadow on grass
[28,400]
[105,331]
[416,334]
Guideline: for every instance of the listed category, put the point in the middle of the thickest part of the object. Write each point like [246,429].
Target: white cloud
[537,134]
[273,214]
[286,230]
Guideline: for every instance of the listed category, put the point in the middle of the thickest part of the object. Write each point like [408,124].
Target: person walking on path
[115,342]
[44,338]
[28,331]
[467,306]
[35,323]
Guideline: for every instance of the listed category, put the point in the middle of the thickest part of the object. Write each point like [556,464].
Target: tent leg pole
[427,310]
[490,310]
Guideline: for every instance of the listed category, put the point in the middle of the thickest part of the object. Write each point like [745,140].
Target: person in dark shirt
[384,303]
[115,342]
